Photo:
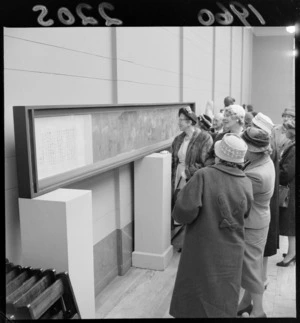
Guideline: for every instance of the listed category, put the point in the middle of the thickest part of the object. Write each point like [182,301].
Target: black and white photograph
[149,160]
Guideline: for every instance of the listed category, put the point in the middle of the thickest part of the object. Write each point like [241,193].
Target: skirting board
[151,260]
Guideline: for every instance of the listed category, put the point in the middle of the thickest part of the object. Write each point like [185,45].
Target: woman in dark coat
[189,149]
[187,160]
[213,205]
[287,177]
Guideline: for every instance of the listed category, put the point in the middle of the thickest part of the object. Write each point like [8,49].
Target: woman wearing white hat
[213,205]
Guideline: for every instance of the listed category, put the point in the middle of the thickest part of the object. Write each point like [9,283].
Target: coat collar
[194,136]
[229,170]
[265,159]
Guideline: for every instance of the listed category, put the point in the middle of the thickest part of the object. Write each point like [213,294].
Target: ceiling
[270,31]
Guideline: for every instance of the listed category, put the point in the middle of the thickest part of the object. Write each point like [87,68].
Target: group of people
[228,202]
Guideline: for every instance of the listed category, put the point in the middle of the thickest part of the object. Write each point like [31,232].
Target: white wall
[197,66]
[49,66]
[236,64]
[222,66]
[247,67]
[148,64]
[114,65]
[273,83]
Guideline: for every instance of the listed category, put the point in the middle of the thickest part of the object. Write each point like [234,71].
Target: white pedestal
[152,203]
[57,232]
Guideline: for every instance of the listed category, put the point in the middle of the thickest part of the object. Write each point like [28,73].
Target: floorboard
[143,293]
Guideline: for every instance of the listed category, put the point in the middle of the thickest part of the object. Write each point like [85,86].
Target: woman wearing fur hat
[213,206]
[261,172]
[189,149]
[287,225]
[204,122]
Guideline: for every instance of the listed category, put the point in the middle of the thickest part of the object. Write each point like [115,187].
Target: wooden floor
[143,293]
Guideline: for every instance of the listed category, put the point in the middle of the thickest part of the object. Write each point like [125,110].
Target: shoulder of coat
[204,135]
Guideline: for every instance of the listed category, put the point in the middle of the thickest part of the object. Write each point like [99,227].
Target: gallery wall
[56,66]
[273,81]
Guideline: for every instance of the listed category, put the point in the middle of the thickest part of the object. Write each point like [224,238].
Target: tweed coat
[287,177]
[213,205]
[262,175]
[196,153]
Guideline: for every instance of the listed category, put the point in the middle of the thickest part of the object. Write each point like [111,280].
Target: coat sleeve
[287,168]
[172,151]
[202,155]
[174,161]
[249,202]
[189,200]
[256,182]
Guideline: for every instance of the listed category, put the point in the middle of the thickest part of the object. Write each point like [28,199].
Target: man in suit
[278,137]
[228,100]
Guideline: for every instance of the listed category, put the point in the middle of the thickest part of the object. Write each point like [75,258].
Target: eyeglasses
[287,116]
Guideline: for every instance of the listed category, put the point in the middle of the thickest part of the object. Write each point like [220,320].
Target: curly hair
[231,164]
[239,116]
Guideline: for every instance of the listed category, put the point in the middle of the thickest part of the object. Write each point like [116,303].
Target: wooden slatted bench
[39,294]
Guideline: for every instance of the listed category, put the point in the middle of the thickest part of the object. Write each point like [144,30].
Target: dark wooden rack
[39,294]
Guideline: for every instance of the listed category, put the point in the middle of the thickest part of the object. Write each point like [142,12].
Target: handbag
[284,196]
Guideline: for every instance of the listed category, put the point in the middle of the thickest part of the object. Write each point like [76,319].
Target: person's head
[290,126]
[218,121]
[231,148]
[234,116]
[249,108]
[288,114]
[258,142]
[187,118]
[204,122]
[263,122]
[248,119]
[228,101]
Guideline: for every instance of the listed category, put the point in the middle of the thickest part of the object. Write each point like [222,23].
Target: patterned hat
[263,122]
[289,112]
[256,139]
[205,120]
[231,148]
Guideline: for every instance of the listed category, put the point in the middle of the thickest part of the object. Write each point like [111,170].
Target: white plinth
[152,222]
[57,232]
